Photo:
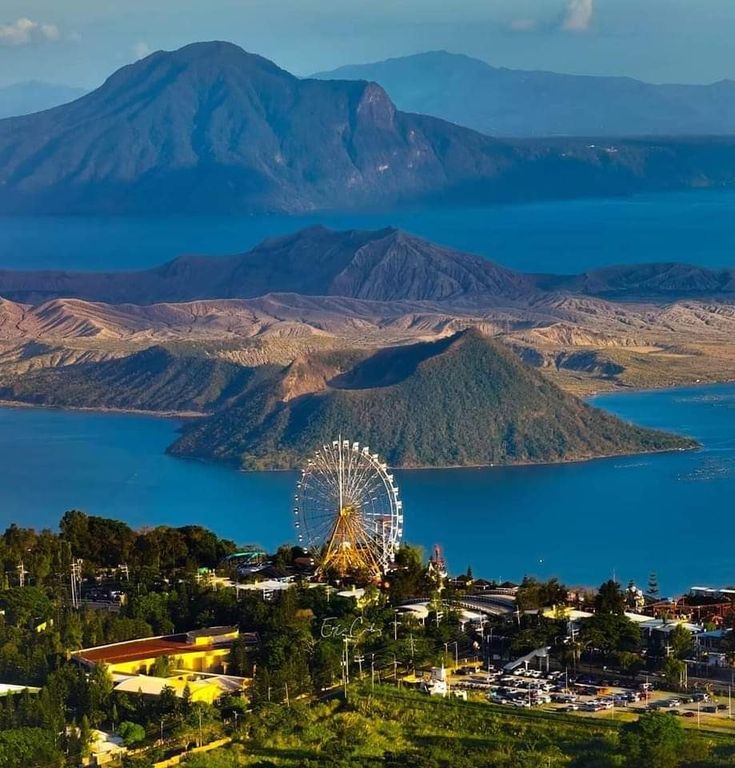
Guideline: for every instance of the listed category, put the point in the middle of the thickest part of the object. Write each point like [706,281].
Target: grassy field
[394,728]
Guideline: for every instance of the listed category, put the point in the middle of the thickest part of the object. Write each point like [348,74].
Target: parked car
[700,696]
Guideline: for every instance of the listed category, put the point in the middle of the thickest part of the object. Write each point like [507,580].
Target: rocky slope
[380,265]
[385,265]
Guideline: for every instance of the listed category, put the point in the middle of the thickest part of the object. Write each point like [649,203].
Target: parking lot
[553,691]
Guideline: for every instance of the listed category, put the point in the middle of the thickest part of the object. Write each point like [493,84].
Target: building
[201,650]
[9,689]
[203,688]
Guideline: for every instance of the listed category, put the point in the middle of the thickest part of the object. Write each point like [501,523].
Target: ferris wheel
[347,510]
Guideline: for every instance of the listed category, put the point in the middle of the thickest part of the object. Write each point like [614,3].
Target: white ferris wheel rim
[340,470]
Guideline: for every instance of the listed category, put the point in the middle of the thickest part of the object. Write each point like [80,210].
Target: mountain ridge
[210,128]
[522,103]
[384,265]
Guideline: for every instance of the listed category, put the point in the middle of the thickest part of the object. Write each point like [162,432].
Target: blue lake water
[570,236]
[584,522]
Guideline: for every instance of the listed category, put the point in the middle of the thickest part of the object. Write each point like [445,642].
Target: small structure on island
[347,512]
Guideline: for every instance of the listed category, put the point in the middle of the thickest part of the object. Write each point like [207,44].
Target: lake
[569,236]
[583,522]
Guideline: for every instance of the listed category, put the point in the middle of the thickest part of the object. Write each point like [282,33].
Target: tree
[610,598]
[131,733]
[674,672]
[533,594]
[680,641]
[161,667]
[30,748]
[85,736]
[610,633]
[656,740]
[653,589]
[408,578]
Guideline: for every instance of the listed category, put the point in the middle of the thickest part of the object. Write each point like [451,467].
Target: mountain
[211,128]
[35,96]
[379,265]
[659,281]
[508,102]
[154,379]
[385,265]
[461,401]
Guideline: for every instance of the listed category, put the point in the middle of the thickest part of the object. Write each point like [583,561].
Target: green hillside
[460,402]
[155,379]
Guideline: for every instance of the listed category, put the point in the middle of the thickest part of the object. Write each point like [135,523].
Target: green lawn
[396,728]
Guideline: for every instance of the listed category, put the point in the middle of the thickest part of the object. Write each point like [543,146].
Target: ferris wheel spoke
[347,510]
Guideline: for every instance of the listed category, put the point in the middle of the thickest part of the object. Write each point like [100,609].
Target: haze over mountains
[211,128]
[520,103]
[35,96]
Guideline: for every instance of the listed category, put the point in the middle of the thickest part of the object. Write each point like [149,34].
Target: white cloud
[50,31]
[578,15]
[141,49]
[25,31]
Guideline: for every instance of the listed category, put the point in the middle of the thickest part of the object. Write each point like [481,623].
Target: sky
[80,42]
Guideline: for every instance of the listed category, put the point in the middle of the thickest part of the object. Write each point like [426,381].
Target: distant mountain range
[385,265]
[520,103]
[211,128]
[35,96]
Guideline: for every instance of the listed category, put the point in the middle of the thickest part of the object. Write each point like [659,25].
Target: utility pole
[359,659]
[395,625]
[288,703]
[345,666]
[22,573]
[201,738]
[75,581]
[372,673]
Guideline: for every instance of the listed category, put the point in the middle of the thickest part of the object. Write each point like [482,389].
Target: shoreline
[182,416]
[171,415]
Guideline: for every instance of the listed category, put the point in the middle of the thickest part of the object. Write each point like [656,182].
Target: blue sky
[81,41]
